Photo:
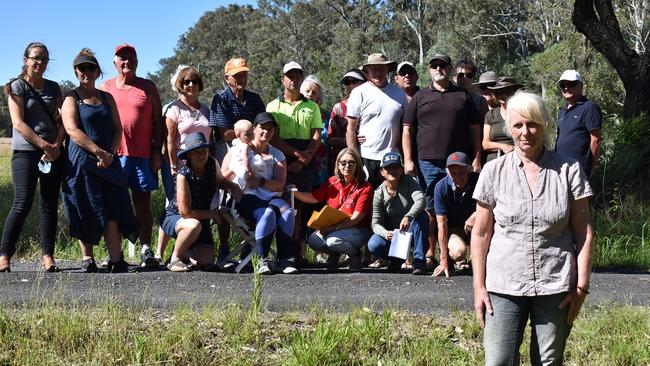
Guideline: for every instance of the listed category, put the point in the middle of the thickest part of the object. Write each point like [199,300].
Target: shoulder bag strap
[40,101]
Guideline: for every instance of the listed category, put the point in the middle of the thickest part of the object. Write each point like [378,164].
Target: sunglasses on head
[86,67]
[468,75]
[568,84]
[187,82]
[435,65]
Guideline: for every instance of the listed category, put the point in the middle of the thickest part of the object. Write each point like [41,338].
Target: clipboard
[326,217]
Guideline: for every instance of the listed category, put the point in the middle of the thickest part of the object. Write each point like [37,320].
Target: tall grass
[112,334]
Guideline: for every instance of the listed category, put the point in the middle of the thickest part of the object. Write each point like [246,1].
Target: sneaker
[161,262]
[148,260]
[322,258]
[104,264]
[264,267]
[89,265]
[121,266]
[419,270]
[289,267]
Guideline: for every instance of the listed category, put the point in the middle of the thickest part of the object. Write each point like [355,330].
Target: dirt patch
[5,146]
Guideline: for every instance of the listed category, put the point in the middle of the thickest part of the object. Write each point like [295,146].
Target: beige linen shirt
[532,251]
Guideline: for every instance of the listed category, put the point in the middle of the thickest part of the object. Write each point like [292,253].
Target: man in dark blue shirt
[229,106]
[578,124]
[455,212]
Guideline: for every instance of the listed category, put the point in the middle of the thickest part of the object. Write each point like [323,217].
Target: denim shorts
[168,224]
[432,172]
[139,174]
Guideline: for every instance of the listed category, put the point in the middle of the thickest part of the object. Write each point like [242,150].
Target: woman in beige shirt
[531,243]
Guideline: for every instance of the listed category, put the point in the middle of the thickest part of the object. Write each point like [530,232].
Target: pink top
[188,121]
[136,115]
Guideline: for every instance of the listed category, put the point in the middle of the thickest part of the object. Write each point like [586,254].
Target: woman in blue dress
[95,195]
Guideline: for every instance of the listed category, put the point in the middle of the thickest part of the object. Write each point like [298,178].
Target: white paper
[400,245]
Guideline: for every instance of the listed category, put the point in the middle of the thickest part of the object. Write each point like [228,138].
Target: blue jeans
[504,330]
[347,241]
[432,171]
[419,227]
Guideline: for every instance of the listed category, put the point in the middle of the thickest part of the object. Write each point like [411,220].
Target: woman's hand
[443,267]
[404,224]
[51,152]
[574,299]
[482,305]
[104,158]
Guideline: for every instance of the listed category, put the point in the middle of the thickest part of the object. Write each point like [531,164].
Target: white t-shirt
[262,168]
[380,112]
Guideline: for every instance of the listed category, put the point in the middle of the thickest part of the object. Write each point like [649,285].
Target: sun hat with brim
[486,78]
[353,74]
[570,75]
[291,65]
[506,82]
[84,59]
[264,117]
[194,141]
[380,59]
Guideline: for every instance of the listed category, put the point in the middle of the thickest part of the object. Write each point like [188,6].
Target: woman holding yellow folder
[349,192]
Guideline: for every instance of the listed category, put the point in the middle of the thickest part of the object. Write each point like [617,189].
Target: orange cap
[235,66]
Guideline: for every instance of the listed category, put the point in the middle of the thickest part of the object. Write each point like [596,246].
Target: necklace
[194,112]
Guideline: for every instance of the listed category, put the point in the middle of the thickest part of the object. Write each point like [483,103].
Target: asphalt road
[339,291]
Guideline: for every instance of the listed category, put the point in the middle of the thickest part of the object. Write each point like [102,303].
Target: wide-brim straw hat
[380,59]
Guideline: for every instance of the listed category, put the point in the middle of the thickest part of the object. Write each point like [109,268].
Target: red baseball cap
[124,46]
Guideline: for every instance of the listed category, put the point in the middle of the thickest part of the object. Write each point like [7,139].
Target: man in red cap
[139,107]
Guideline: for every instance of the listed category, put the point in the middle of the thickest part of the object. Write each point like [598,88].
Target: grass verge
[112,334]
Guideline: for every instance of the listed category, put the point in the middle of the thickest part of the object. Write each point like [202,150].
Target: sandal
[407,264]
[48,264]
[379,263]
[4,264]
[178,266]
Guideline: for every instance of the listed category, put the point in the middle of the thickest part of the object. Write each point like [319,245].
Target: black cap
[84,59]
[264,117]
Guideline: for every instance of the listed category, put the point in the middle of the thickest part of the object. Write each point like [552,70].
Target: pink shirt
[136,115]
[188,121]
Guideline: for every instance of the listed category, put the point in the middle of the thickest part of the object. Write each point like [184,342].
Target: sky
[65,27]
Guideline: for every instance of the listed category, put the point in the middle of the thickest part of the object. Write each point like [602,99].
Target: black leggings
[24,169]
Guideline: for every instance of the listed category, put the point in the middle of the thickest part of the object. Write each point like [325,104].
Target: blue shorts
[432,172]
[139,174]
[168,224]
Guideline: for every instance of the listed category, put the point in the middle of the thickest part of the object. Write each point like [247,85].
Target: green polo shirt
[295,121]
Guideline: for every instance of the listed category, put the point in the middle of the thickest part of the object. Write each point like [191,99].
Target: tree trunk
[597,21]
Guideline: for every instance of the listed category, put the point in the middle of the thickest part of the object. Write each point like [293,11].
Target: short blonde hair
[530,106]
[242,125]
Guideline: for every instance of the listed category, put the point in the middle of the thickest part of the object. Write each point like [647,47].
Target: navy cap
[458,158]
[264,117]
[193,141]
[391,158]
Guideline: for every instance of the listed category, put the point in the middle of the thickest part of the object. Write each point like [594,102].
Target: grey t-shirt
[34,114]
[388,212]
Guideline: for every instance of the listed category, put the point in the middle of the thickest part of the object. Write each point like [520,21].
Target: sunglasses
[469,75]
[349,163]
[86,67]
[568,84]
[351,81]
[407,73]
[435,65]
[38,59]
[187,82]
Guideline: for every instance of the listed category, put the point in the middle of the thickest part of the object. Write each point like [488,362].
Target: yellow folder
[326,217]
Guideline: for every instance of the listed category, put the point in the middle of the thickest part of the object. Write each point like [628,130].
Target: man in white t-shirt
[375,111]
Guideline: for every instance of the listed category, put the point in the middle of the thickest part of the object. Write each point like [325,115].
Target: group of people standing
[390,156]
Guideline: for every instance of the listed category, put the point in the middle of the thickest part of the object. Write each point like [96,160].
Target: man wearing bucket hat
[455,213]
[578,124]
[446,120]
[375,111]
[138,104]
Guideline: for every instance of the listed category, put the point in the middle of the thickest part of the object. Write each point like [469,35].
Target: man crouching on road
[455,213]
